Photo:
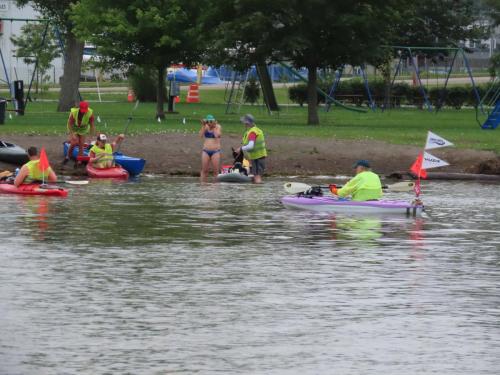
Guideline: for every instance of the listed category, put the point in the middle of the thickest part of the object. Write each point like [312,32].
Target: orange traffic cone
[193,94]
[130,96]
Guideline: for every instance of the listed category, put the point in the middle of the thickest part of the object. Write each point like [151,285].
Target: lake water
[165,276]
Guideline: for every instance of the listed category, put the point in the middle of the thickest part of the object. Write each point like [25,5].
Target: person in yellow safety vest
[80,123]
[365,186]
[31,172]
[254,147]
[101,154]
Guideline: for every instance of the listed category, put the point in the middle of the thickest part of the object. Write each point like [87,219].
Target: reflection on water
[166,275]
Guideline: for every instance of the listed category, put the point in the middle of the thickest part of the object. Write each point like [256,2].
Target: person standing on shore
[254,147]
[210,132]
[365,186]
[80,123]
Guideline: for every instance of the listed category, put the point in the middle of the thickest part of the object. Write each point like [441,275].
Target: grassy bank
[398,126]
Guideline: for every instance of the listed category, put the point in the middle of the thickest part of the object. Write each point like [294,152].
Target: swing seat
[493,119]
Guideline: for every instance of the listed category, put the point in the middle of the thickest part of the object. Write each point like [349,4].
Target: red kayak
[113,172]
[34,189]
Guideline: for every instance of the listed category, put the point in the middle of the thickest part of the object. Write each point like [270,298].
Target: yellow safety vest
[84,126]
[259,148]
[35,174]
[108,149]
[364,186]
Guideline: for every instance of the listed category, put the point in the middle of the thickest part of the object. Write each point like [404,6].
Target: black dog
[238,162]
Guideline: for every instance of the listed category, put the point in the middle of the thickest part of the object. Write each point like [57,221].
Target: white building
[13,68]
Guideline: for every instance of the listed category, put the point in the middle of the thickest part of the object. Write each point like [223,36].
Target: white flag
[430,161]
[435,141]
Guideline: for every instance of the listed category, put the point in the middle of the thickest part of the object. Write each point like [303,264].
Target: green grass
[397,126]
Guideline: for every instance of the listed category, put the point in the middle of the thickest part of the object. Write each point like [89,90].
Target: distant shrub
[298,94]
[143,81]
[252,91]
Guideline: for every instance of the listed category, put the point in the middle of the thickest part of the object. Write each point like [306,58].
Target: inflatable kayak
[233,177]
[134,166]
[116,172]
[331,204]
[33,189]
[13,154]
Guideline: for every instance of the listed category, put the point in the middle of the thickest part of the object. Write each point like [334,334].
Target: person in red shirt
[80,123]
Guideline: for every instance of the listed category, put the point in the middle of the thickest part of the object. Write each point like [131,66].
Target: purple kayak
[331,204]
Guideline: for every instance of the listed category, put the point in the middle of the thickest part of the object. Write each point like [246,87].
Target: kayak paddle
[128,123]
[298,187]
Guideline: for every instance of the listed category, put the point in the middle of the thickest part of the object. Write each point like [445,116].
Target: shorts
[80,131]
[258,166]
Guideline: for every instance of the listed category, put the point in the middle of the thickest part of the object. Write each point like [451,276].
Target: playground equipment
[491,101]
[412,53]
[336,82]
[332,100]
[234,95]
[17,87]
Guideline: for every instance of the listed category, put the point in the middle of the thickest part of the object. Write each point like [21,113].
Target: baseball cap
[362,163]
[209,118]
[84,106]
[247,119]
[102,137]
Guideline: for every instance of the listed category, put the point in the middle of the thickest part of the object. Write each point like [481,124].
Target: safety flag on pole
[430,161]
[416,167]
[43,163]
[435,141]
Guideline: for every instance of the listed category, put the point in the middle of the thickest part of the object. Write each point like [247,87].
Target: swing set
[412,54]
[16,88]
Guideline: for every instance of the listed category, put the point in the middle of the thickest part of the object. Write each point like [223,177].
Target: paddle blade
[403,186]
[296,187]
[77,182]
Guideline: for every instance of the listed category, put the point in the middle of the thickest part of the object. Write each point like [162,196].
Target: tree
[57,11]
[319,34]
[148,33]
[37,45]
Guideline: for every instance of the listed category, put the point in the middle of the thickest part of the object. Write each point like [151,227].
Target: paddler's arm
[117,141]
[52,176]
[350,188]
[21,176]
[93,158]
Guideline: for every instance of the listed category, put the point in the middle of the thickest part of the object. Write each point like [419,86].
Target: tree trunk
[312,96]
[386,75]
[70,81]
[160,93]
[267,86]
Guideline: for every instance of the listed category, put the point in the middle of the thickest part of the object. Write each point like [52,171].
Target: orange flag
[416,167]
[44,162]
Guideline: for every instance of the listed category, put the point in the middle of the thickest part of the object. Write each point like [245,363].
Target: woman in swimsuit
[211,132]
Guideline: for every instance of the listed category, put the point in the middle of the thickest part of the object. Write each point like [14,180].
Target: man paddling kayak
[101,154]
[32,171]
[254,147]
[365,186]
[80,123]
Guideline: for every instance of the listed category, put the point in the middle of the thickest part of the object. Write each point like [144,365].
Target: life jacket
[364,186]
[85,124]
[35,174]
[259,148]
[108,150]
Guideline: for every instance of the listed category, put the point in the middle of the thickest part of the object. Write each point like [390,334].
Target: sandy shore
[179,154]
